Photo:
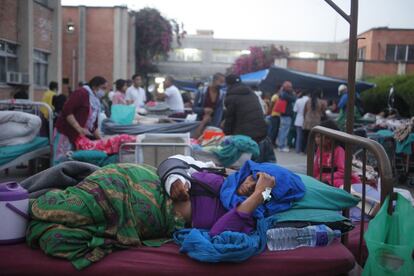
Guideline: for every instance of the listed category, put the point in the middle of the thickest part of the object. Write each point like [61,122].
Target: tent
[186,85]
[269,79]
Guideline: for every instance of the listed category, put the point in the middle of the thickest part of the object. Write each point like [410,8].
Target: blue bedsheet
[9,153]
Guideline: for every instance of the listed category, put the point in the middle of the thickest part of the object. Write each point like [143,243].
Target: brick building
[30,46]
[382,51]
[97,41]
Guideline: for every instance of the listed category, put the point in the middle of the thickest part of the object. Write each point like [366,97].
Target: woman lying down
[124,205]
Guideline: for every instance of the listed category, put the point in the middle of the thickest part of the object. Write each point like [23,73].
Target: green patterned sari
[118,206]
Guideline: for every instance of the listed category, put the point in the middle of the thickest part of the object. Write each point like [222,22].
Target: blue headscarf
[289,187]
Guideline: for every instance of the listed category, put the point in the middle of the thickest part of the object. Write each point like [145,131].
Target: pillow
[319,195]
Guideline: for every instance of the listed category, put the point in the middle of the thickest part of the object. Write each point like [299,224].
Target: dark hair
[119,84]
[330,124]
[216,76]
[232,79]
[53,85]
[97,81]
[169,78]
[135,75]
[316,94]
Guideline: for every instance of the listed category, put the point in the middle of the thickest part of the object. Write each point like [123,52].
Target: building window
[186,55]
[226,56]
[40,67]
[361,53]
[399,53]
[410,55]
[8,59]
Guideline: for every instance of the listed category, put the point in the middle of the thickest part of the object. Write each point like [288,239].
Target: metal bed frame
[133,152]
[31,107]
[366,145]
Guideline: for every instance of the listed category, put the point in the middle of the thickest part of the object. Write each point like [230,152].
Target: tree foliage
[154,36]
[258,59]
[375,100]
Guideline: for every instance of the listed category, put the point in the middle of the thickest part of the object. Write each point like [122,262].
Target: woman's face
[247,187]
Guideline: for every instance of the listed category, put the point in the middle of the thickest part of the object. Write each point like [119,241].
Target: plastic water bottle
[291,238]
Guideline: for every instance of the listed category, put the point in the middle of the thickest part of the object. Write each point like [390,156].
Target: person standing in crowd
[48,98]
[286,117]
[119,96]
[299,108]
[244,116]
[79,117]
[313,113]
[342,105]
[209,101]
[135,94]
[274,118]
[171,95]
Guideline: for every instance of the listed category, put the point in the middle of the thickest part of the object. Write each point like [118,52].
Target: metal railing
[364,144]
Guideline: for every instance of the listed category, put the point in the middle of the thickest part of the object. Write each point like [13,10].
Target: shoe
[285,149]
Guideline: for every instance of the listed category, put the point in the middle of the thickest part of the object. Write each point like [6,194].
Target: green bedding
[118,206]
[9,153]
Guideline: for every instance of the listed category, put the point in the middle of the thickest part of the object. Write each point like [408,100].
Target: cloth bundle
[233,147]
[109,146]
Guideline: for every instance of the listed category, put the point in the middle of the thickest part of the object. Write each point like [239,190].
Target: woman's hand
[84,132]
[264,181]
[179,191]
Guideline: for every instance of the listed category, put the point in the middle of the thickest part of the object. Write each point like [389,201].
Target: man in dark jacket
[244,116]
[285,118]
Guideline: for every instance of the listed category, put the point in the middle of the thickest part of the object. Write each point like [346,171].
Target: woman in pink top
[338,160]
[119,96]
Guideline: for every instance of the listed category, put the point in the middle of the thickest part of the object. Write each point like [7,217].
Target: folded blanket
[233,147]
[64,175]
[118,206]
[18,127]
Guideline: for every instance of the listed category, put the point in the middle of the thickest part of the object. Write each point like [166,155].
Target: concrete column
[120,58]
[401,69]
[25,38]
[82,44]
[55,62]
[131,45]
[359,70]
[320,67]
[281,62]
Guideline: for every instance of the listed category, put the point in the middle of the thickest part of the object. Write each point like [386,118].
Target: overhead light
[70,26]
[306,55]
[245,52]
[190,51]
[159,80]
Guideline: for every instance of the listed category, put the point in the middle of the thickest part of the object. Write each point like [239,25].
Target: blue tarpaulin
[269,79]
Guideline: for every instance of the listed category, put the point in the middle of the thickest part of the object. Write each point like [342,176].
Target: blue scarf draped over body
[289,188]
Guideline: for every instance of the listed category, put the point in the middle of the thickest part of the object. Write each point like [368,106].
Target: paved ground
[291,160]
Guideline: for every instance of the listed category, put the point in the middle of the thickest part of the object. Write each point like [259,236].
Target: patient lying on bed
[123,205]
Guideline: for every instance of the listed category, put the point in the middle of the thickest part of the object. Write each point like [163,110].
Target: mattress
[166,260]
[9,153]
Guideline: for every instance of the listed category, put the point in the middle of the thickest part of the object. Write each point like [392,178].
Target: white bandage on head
[172,178]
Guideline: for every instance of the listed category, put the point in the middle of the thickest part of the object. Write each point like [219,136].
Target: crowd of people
[280,120]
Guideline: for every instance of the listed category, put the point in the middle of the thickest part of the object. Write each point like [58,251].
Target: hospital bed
[335,259]
[40,147]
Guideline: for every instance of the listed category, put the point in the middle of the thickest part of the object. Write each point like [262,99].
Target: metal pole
[351,89]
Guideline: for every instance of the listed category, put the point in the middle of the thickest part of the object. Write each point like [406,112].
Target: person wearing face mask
[79,117]
[209,102]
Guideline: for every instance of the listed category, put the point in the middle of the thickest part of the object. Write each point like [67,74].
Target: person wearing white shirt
[135,94]
[172,95]
[299,108]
